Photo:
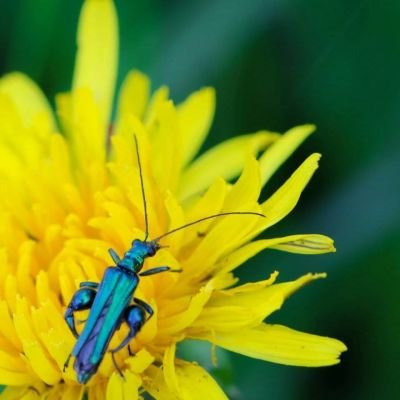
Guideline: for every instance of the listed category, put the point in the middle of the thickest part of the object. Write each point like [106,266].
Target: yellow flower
[66,198]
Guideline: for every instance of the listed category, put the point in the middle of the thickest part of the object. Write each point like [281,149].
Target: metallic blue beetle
[109,305]
[112,302]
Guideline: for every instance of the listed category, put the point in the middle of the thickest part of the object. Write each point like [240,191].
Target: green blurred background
[276,64]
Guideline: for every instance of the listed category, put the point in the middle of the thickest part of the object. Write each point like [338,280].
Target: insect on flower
[111,302]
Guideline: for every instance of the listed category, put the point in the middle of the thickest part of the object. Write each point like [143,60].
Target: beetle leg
[67,362]
[157,270]
[135,317]
[82,300]
[116,365]
[144,305]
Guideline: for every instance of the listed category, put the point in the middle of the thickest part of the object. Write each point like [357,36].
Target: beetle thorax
[134,258]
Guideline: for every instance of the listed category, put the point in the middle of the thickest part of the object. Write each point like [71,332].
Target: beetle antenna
[146,222]
[206,218]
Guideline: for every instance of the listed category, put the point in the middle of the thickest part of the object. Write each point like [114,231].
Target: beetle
[112,302]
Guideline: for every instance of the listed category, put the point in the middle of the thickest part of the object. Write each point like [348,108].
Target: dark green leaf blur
[276,64]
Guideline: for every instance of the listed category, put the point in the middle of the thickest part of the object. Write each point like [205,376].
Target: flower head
[71,190]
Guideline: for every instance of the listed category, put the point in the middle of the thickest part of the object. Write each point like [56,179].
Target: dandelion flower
[70,190]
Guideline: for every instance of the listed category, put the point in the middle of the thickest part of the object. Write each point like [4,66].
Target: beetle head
[134,258]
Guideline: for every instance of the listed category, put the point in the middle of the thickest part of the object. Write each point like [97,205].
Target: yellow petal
[23,393]
[114,388]
[159,97]
[54,333]
[203,171]
[10,291]
[24,268]
[282,202]
[285,198]
[247,188]
[97,54]
[169,370]
[13,378]
[60,158]
[29,100]
[140,361]
[12,393]
[175,214]
[13,362]
[180,321]
[23,141]
[72,392]
[301,244]
[154,383]
[97,391]
[194,384]
[280,151]
[210,203]
[195,116]
[119,388]
[246,306]
[11,166]
[134,95]
[226,234]
[248,294]
[81,118]
[306,244]
[225,319]
[7,326]
[282,345]
[32,395]
[165,138]
[127,175]
[34,350]
[197,384]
